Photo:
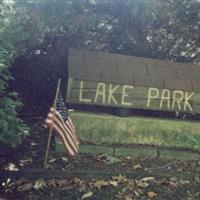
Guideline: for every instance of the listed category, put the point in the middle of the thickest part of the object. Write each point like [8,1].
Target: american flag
[62,125]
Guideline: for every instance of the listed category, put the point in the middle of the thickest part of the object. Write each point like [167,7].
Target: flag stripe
[72,133]
[73,128]
[76,140]
[70,151]
[72,125]
[67,127]
[70,120]
[73,136]
[67,134]
[68,145]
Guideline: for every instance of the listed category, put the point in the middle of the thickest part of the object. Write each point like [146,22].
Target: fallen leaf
[125,189]
[20,181]
[181,169]
[51,183]
[189,194]
[128,197]
[137,194]
[87,195]
[77,180]
[128,157]
[25,187]
[52,160]
[39,184]
[8,181]
[113,183]
[183,182]
[100,183]
[102,157]
[82,188]
[112,160]
[108,159]
[119,178]
[33,143]
[11,167]
[23,162]
[64,159]
[137,167]
[173,179]
[172,185]
[145,179]
[142,184]
[197,178]
[61,183]
[151,195]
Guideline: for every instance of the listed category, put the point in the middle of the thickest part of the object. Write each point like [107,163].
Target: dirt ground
[174,179]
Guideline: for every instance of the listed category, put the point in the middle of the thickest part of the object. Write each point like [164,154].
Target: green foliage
[159,29]
[12,129]
[167,30]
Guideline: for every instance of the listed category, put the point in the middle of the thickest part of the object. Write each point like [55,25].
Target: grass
[111,129]
[108,128]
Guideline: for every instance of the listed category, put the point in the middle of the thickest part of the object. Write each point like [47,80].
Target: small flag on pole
[59,119]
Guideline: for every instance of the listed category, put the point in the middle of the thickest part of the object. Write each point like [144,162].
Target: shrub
[12,128]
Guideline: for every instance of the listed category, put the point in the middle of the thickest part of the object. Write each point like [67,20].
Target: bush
[12,129]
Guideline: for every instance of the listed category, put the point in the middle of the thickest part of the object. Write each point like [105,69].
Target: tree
[167,30]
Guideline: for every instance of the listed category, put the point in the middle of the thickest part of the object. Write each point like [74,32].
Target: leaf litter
[114,187]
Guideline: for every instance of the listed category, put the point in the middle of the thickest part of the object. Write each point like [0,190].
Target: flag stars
[61,107]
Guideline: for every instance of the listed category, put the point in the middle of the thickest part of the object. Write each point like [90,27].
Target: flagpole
[51,128]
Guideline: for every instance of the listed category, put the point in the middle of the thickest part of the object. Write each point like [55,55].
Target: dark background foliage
[166,30]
